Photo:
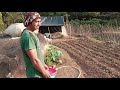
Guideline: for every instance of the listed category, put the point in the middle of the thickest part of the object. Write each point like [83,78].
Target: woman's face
[36,24]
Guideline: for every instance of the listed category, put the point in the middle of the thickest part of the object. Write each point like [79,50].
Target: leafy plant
[52,55]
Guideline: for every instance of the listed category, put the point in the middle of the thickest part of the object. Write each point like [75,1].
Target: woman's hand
[46,74]
[46,67]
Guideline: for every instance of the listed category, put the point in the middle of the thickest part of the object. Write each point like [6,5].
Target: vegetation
[1,23]
[6,18]
[53,55]
[93,18]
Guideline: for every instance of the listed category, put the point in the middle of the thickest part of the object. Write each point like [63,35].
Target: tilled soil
[94,59]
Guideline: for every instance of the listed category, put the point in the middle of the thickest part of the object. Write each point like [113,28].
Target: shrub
[52,55]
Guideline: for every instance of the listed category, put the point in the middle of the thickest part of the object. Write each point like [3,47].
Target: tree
[12,17]
[1,22]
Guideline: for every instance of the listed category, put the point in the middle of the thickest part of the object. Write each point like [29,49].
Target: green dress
[29,40]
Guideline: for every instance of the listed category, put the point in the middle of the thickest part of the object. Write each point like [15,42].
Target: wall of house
[64,32]
[50,29]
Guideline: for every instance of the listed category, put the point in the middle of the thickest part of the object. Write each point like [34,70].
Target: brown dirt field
[93,58]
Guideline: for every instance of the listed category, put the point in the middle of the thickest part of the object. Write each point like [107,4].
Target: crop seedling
[53,55]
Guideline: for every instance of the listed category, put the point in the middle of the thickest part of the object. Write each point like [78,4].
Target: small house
[52,24]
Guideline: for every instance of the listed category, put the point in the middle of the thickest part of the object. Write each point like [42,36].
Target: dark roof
[52,21]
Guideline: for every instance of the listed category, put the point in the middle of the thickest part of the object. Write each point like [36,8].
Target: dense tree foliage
[6,18]
[1,22]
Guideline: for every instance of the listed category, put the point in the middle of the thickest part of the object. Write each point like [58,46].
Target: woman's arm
[36,62]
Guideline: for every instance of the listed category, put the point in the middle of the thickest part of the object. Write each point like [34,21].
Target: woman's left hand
[45,66]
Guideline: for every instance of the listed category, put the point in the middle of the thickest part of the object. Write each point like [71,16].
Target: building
[52,24]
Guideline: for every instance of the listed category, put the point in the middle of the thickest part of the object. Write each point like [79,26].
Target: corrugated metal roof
[52,21]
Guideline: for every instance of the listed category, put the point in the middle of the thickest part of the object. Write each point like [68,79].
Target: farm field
[94,58]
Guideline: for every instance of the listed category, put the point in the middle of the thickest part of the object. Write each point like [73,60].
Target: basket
[52,72]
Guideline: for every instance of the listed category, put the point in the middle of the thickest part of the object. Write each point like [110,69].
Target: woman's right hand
[46,74]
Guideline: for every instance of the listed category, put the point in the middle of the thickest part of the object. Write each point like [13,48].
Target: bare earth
[94,59]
